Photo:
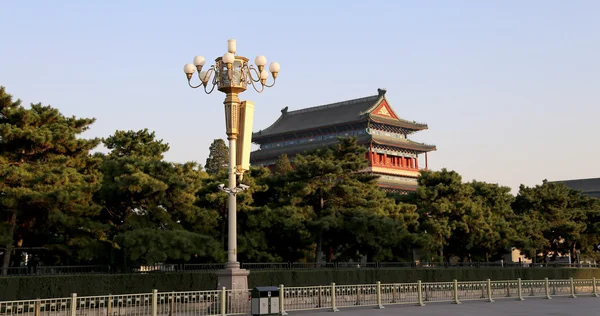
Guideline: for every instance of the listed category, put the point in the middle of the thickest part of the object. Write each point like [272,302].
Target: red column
[426,162]
[385,159]
[417,162]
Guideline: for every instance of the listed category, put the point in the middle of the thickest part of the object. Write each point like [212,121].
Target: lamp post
[232,74]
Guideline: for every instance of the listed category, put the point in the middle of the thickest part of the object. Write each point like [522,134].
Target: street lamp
[231,74]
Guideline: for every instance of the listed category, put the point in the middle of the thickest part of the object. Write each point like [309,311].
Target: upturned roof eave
[399,123]
[406,144]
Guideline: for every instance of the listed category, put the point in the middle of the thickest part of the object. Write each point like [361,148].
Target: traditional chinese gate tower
[391,154]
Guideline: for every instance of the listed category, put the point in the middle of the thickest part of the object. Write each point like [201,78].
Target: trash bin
[265,300]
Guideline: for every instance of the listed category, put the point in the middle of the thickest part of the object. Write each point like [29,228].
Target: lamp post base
[232,277]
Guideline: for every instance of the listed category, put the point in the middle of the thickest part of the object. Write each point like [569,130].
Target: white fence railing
[332,297]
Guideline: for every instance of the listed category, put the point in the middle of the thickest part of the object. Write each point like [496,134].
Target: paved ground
[504,307]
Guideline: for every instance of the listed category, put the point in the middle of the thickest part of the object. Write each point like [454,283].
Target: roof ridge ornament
[284,111]
[381,91]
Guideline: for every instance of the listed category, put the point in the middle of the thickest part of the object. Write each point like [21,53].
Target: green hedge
[31,287]
[322,277]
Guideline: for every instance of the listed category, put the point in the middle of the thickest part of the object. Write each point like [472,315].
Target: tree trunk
[319,248]
[575,254]
[9,247]
[223,244]
[441,250]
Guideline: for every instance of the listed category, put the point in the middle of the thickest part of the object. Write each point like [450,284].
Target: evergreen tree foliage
[493,234]
[47,183]
[218,158]
[283,165]
[345,214]
[62,205]
[444,205]
[555,218]
[471,221]
[143,195]
[270,229]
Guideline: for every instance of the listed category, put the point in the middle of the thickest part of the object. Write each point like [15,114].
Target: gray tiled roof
[590,187]
[356,110]
[319,116]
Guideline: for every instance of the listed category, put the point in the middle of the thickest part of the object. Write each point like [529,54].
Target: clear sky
[510,89]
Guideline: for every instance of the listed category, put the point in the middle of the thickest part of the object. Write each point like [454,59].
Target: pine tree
[47,181]
[142,143]
[147,201]
[283,165]
[343,209]
[444,203]
[557,218]
[492,234]
[218,157]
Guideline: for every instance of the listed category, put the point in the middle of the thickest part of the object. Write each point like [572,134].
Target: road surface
[529,307]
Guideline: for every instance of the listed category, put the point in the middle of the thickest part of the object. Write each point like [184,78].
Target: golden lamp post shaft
[231,74]
[232,103]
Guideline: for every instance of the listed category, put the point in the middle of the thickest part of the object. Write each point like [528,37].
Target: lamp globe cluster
[232,71]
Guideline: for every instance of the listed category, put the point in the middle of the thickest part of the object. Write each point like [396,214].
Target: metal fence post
[519,290]
[489,291]
[333,307]
[379,305]
[547,285]
[38,307]
[595,291]
[223,301]
[321,296]
[109,305]
[282,300]
[420,293]
[154,302]
[572,283]
[74,304]
[172,303]
[455,290]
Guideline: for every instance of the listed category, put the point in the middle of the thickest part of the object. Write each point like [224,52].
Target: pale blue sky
[510,89]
